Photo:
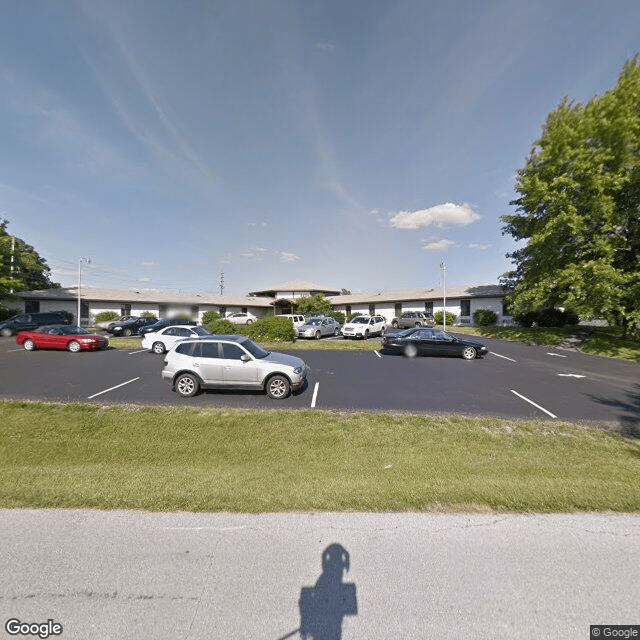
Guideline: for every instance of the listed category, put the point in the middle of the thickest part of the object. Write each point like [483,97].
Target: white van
[297,319]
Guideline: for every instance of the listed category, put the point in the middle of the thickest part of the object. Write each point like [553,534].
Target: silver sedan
[318,327]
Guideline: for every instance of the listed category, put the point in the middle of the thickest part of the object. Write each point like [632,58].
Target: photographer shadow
[324,606]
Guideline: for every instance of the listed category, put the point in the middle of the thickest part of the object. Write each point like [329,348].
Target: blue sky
[354,144]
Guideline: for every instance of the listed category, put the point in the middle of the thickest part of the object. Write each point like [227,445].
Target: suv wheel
[278,387]
[394,324]
[186,385]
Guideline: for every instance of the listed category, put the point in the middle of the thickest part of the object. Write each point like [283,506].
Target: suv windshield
[360,320]
[254,349]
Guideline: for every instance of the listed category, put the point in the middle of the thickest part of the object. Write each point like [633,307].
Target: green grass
[172,459]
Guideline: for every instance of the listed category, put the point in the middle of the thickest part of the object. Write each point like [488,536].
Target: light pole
[443,266]
[80,261]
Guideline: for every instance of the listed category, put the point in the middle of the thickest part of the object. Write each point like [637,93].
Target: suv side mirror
[245,358]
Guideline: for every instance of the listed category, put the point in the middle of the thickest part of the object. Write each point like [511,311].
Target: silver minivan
[231,362]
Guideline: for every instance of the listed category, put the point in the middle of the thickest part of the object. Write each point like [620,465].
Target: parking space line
[534,404]
[13,350]
[378,354]
[315,395]
[112,388]
[557,355]
[493,353]
[130,353]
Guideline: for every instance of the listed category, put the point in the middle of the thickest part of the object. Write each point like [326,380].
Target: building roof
[295,286]
[98,294]
[406,295]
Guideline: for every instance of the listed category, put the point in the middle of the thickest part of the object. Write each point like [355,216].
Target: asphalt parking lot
[513,380]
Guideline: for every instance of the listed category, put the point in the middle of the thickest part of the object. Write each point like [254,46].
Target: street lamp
[443,266]
[80,261]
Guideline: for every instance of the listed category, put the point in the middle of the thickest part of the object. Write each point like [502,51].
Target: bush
[222,326]
[210,316]
[485,317]
[148,314]
[105,316]
[271,329]
[8,313]
[338,316]
[549,317]
[451,317]
[69,316]
[351,316]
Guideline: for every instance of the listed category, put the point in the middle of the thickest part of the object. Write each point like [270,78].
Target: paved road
[120,575]
[514,380]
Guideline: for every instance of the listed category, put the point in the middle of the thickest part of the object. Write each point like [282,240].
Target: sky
[355,144]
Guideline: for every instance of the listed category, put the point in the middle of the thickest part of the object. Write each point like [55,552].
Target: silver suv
[413,319]
[231,362]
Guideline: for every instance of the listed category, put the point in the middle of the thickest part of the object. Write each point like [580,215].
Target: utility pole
[443,266]
[13,247]
[80,261]
[221,282]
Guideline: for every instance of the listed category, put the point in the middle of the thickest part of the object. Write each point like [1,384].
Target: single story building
[461,301]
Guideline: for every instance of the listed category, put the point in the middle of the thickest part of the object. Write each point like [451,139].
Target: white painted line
[571,375]
[557,355]
[14,350]
[493,353]
[112,388]
[315,395]
[534,404]
[140,351]
[379,356]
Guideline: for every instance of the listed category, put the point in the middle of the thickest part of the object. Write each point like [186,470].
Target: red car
[61,336]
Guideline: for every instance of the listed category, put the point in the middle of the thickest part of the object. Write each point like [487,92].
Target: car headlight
[87,340]
[298,370]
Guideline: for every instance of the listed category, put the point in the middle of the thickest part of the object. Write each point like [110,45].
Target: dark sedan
[130,327]
[61,336]
[419,341]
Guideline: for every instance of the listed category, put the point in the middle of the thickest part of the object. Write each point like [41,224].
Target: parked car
[163,340]
[166,322]
[297,319]
[419,341]
[318,327]
[61,336]
[30,321]
[364,327]
[130,327]
[106,323]
[413,319]
[231,362]
[240,318]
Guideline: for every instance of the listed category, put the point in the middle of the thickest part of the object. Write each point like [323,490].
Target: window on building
[243,309]
[222,311]
[125,309]
[465,308]
[505,308]
[372,309]
[428,306]
[32,306]
[397,309]
[347,310]
[84,310]
[195,310]
[162,310]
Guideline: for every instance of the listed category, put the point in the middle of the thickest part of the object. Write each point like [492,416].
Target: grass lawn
[172,459]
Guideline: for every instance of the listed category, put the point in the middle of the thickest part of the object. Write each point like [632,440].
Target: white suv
[364,327]
[231,362]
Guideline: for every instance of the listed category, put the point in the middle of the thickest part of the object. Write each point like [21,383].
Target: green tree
[579,209]
[313,304]
[30,271]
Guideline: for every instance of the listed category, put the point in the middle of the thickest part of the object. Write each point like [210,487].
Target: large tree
[27,271]
[579,209]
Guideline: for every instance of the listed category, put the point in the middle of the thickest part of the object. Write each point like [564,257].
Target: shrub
[8,313]
[69,316]
[271,329]
[351,316]
[451,317]
[148,314]
[338,316]
[209,316]
[549,317]
[222,326]
[485,317]
[105,316]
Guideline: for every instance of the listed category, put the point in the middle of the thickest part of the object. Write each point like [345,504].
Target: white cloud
[439,245]
[149,264]
[446,214]
[144,279]
[478,246]
[283,256]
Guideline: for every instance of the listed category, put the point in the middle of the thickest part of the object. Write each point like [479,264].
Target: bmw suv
[231,362]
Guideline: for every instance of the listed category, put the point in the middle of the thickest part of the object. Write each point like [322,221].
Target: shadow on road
[629,418]
[323,606]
